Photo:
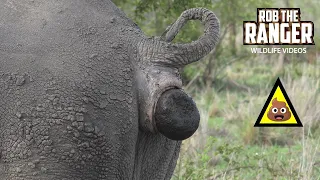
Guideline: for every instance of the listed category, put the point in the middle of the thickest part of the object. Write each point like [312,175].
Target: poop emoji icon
[279,111]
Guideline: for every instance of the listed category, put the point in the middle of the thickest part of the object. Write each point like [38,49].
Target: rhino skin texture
[79,86]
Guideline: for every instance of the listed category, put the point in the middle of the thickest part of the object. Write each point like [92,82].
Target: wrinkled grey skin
[79,87]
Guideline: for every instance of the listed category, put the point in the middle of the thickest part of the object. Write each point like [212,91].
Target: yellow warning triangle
[278,110]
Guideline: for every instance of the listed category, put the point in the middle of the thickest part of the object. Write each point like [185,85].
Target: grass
[227,146]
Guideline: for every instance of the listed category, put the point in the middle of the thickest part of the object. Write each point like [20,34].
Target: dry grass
[239,111]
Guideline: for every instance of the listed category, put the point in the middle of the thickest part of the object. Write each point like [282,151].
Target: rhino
[85,94]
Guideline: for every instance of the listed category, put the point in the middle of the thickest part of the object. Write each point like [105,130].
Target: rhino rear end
[86,95]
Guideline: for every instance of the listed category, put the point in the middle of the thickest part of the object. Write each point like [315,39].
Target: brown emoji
[279,111]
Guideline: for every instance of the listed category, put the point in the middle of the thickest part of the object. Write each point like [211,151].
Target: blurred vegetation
[230,87]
